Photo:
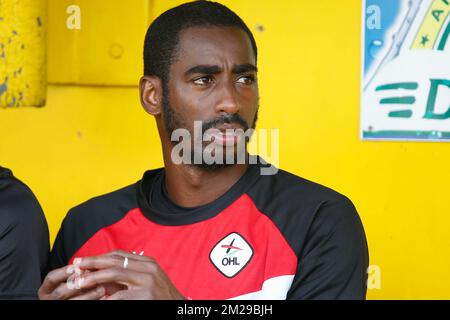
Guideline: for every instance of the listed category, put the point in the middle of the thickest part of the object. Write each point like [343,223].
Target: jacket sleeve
[58,255]
[24,241]
[334,260]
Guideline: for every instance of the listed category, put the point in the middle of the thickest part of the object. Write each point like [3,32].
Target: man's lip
[225,134]
[225,139]
[228,126]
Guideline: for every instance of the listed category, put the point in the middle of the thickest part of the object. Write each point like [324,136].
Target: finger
[118,261]
[131,255]
[54,279]
[131,295]
[151,266]
[122,276]
[96,294]
[119,295]
[74,276]
[64,291]
[101,262]
[112,288]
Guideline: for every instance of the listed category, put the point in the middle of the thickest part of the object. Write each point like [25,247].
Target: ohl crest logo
[231,254]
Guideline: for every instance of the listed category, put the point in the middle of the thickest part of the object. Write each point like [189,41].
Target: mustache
[225,119]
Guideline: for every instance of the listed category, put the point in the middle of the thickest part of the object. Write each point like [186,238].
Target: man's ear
[150,91]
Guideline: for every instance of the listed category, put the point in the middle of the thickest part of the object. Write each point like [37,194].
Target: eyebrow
[242,68]
[214,69]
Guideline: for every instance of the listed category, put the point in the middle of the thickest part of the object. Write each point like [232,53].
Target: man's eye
[203,80]
[246,79]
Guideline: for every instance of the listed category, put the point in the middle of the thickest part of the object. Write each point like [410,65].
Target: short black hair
[162,36]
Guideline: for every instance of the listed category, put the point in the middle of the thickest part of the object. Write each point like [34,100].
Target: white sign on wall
[405,81]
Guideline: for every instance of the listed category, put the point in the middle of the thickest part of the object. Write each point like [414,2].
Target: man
[202,229]
[24,242]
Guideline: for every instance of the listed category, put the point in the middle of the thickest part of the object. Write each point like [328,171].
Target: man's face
[213,80]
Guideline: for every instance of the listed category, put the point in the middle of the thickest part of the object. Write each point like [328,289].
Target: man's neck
[191,186]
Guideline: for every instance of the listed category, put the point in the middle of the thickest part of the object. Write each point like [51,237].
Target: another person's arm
[24,240]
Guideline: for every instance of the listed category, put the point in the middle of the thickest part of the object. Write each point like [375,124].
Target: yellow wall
[89,140]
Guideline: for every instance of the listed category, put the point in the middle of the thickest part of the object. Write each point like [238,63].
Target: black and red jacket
[267,237]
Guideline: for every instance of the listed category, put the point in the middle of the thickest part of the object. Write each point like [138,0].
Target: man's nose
[227,103]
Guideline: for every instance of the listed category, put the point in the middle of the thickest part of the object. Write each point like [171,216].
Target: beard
[173,120]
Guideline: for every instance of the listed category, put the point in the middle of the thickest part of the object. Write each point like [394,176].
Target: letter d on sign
[431,104]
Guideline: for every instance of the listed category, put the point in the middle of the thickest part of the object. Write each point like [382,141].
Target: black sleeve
[24,240]
[58,255]
[334,260]
[75,230]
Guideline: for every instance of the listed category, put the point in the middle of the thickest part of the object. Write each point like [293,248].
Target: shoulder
[87,218]
[4,172]
[284,191]
[11,186]
[109,206]
[300,207]
[17,201]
